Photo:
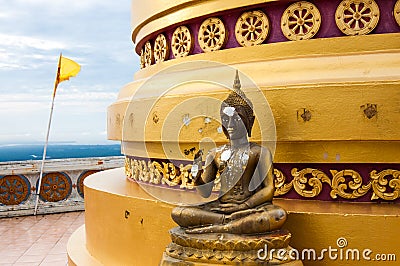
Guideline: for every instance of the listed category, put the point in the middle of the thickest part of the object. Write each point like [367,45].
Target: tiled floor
[37,240]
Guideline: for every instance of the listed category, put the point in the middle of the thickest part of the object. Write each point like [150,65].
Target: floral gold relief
[302,178]
[385,181]
[281,188]
[339,185]
[308,182]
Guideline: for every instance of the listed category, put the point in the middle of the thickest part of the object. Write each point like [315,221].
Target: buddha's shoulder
[218,149]
[256,148]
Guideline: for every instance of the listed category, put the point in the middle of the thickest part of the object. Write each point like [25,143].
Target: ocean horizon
[24,152]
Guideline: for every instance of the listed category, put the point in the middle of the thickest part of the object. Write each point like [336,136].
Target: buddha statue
[245,169]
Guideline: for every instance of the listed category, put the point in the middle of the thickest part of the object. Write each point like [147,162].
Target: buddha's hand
[197,166]
[229,207]
[198,156]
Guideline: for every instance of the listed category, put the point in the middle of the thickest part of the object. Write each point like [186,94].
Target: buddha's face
[233,123]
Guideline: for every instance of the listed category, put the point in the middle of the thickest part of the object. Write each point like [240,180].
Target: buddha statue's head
[237,104]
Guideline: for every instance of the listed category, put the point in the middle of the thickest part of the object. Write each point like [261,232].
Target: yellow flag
[68,68]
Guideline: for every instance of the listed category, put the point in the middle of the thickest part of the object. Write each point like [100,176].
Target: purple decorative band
[355,182]
[375,17]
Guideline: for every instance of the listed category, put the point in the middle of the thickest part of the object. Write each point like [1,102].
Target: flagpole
[47,136]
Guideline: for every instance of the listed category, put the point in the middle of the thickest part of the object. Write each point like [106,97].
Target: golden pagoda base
[227,249]
[169,261]
[126,226]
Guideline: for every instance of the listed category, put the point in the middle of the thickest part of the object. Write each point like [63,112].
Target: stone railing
[61,188]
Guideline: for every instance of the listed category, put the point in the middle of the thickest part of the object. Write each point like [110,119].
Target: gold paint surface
[336,104]
[330,58]
[113,239]
[334,118]
[337,126]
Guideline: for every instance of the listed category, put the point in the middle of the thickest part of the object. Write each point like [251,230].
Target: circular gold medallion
[396,12]
[182,42]
[80,180]
[300,21]
[357,17]
[14,189]
[252,28]
[212,35]
[161,50]
[148,54]
[55,187]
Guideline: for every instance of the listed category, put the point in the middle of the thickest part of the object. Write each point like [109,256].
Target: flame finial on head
[236,83]
[241,103]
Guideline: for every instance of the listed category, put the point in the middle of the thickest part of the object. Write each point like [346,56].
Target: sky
[96,34]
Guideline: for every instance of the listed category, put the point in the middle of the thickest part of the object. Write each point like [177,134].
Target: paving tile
[34,259]
[56,257]
[25,264]
[8,259]
[54,263]
[37,240]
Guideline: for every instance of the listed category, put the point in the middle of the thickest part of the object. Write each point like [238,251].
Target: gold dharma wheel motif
[300,21]
[14,189]
[182,42]
[396,12]
[252,28]
[357,17]
[55,187]
[141,58]
[161,49]
[212,35]
[148,54]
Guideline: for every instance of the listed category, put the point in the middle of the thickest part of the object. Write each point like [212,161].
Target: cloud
[96,34]
[67,5]
[24,42]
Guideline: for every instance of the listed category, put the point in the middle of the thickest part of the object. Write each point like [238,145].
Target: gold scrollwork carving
[161,49]
[396,12]
[300,21]
[168,172]
[380,183]
[252,28]
[148,56]
[212,35]
[181,42]
[300,180]
[307,182]
[339,186]
[357,17]
[142,171]
[281,188]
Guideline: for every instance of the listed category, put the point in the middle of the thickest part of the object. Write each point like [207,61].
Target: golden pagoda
[324,78]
